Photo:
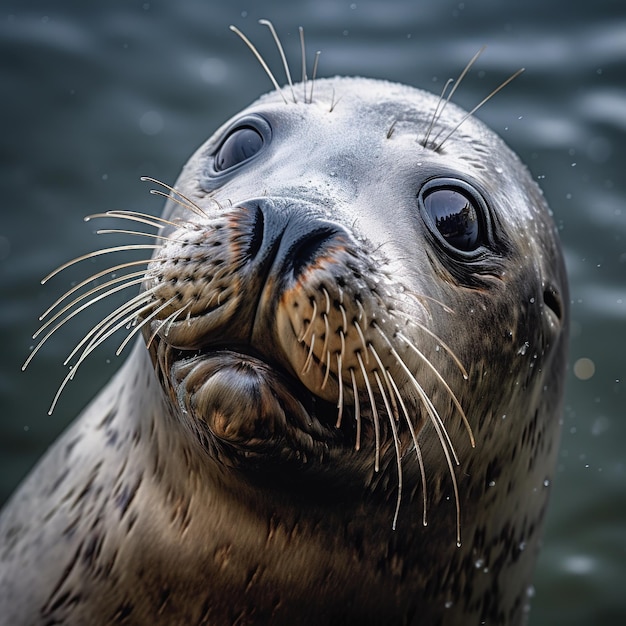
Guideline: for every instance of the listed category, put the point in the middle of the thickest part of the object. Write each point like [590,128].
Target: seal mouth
[250,408]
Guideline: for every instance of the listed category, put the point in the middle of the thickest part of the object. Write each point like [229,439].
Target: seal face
[356,319]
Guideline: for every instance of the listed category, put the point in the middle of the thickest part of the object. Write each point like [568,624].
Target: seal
[344,403]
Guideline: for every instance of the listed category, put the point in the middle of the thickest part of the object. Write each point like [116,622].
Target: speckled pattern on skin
[319,355]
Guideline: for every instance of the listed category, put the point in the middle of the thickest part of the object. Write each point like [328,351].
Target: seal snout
[227,277]
[282,239]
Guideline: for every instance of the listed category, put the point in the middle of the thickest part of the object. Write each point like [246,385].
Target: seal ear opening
[552,299]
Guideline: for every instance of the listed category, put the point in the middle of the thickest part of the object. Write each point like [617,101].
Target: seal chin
[251,412]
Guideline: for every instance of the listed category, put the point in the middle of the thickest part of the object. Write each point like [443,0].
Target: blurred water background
[96,94]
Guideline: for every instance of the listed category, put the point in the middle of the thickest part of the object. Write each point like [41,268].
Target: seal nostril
[256,233]
[308,250]
[552,299]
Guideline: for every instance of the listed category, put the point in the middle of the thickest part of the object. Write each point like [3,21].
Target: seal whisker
[91,255]
[442,433]
[309,358]
[282,56]
[438,339]
[135,216]
[88,294]
[383,369]
[172,318]
[314,74]
[340,394]
[362,314]
[436,114]
[88,350]
[182,203]
[261,60]
[179,197]
[396,443]
[310,326]
[134,304]
[344,318]
[143,323]
[441,379]
[357,411]
[327,298]
[101,332]
[370,393]
[438,147]
[423,297]
[459,80]
[430,407]
[303,57]
[418,450]
[326,332]
[70,316]
[86,281]
[167,322]
[333,102]
[137,233]
[393,415]
[355,323]
[327,372]
[342,337]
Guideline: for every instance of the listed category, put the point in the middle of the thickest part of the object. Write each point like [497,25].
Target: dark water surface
[96,94]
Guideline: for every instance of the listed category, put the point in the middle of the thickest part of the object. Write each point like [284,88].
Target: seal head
[356,319]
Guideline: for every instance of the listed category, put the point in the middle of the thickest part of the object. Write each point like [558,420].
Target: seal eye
[241,144]
[454,214]
[455,218]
